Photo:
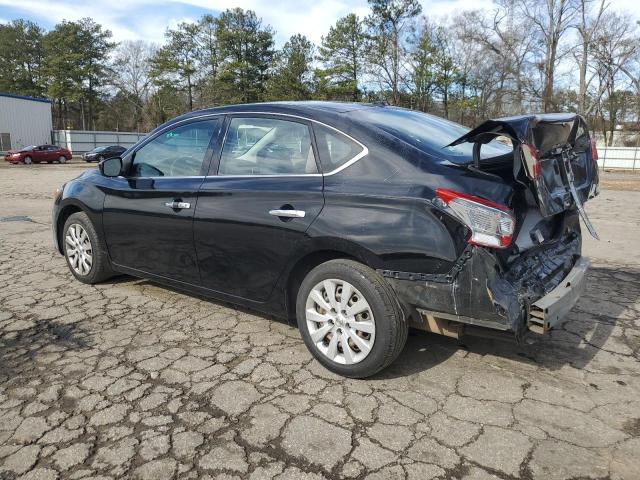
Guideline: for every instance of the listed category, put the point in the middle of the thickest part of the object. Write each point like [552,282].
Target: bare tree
[131,73]
[613,47]
[389,25]
[588,24]
[506,42]
[551,19]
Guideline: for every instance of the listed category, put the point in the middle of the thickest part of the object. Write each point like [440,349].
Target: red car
[38,154]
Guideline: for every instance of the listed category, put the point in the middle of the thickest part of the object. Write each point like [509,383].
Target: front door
[148,215]
[251,215]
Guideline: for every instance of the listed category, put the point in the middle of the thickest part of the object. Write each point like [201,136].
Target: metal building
[24,121]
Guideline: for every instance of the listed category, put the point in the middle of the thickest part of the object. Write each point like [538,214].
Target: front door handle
[288,213]
[178,205]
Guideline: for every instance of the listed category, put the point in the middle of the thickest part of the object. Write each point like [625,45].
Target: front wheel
[62,159]
[84,251]
[28,160]
[350,318]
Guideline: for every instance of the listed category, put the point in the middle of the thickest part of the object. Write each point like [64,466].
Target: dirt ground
[130,379]
[621,180]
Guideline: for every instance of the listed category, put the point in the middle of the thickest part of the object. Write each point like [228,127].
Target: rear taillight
[594,150]
[491,224]
[535,161]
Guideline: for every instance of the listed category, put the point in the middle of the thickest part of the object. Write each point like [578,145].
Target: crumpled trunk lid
[552,156]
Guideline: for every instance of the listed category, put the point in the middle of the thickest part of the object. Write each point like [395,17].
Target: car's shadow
[576,342]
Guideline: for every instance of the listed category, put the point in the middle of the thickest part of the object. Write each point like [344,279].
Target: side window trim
[206,162]
[215,165]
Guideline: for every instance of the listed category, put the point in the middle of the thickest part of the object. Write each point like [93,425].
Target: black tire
[391,329]
[28,160]
[100,267]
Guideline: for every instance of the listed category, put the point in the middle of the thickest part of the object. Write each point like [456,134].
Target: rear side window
[178,152]
[267,146]
[335,148]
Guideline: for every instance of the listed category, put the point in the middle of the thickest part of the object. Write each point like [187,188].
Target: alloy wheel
[340,321]
[79,249]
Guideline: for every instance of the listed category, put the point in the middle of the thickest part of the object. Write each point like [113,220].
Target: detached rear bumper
[534,294]
[548,312]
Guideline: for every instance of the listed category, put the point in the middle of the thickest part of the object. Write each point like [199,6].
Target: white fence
[80,141]
[619,157]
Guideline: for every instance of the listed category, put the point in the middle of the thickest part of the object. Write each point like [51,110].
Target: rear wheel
[350,319]
[28,160]
[84,251]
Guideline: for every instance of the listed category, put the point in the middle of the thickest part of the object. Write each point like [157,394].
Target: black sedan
[102,153]
[359,221]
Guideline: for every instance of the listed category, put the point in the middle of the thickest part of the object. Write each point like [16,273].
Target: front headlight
[58,193]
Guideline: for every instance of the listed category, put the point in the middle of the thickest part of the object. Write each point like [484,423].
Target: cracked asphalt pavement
[131,379]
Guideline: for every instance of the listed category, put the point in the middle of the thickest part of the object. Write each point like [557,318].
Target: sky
[148,19]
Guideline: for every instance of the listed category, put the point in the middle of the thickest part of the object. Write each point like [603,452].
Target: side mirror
[111,167]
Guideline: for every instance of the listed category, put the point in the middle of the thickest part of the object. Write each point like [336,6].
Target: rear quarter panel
[383,204]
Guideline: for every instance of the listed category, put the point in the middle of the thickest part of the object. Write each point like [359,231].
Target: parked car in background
[358,220]
[38,154]
[102,153]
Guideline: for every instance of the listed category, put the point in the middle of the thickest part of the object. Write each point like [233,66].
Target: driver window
[267,146]
[178,152]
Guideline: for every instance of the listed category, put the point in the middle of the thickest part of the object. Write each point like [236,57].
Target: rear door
[148,215]
[53,152]
[40,154]
[256,204]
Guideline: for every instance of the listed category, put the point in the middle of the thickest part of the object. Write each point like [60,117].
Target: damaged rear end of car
[520,267]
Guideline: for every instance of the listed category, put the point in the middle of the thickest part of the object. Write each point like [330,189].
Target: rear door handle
[178,205]
[288,213]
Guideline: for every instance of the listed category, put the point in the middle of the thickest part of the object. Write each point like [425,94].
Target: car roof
[309,109]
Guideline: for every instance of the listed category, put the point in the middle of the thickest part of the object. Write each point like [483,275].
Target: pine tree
[342,53]
[21,54]
[176,62]
[246,52]
[292,78]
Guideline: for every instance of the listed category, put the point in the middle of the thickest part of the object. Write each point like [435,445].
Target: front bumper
[548,311]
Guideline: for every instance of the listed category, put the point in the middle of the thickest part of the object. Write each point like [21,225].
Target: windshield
[429,133]
[29,148]
[99,149]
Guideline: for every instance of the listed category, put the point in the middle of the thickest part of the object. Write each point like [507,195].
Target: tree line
[522,56]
